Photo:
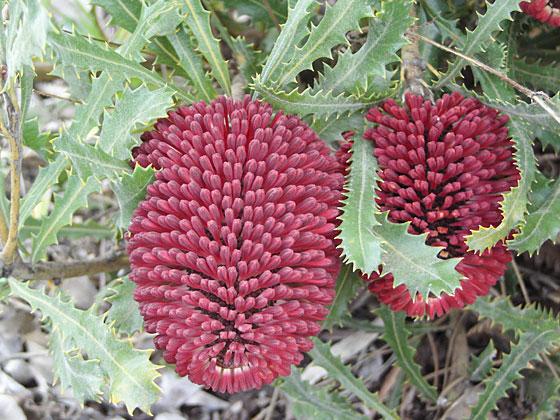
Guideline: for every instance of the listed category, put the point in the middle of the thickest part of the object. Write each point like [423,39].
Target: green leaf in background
[313,402]
[83,379]
[338,19]
[293,31]
[127,372]
[323,357]
[75,50]
[22,42]
[89,161]
[4,289]
[192,64]
[47,177]
[360,248]
[347,284]
[396,335]
[270,12]
[123,314]
[412,262]
[331,129]
[539,332]
[247,57]
[130,190]
[198,20]
[541,224]
[536,74]
[75,197]
[138,107]
[477,40]
[481,365]
[384,39]
[89,229]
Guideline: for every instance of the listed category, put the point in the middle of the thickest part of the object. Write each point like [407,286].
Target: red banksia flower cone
[443,167]
[547,11]
[232,251]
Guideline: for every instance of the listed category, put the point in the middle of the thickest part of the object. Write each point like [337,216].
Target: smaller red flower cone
[547,11]
[443,167]
[233,251]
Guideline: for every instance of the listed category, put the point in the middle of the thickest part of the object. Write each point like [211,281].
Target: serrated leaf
[89,161]
[273,12]
[140,106]
[47,177]
[360,247]
[338,19]
[537,74]
[74,197]
[247,57]
[331,129]
[396,335]
[128,372]
[130,190]
[320,104]
[384,39]
[292,33]
[477,40]
[22,44]
[448,28]
[123,314]
[83,379]
[75,231]
[514,204]
[308,402]
[322,356]
[198,20]
[78,51]
[412,262]
[192,64]
[347,284]
[541,224]
[481,365]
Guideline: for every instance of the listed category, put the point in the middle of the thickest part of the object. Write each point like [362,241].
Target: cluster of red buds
[233,250]
[547,11]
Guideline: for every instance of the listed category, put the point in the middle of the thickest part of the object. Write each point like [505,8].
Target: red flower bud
[547,11]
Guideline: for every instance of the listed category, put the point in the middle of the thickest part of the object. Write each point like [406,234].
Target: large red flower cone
[547,11]
[232,250]
[443,167]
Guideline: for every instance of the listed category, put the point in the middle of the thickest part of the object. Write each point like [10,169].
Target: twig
[272,404]
[539,98]
[12,133]
[24,355]
[54,95]
[413,66]
[435,357]
[521,282]
[60,270]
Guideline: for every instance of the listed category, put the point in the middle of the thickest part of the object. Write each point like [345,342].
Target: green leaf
[22,43]
[135,107]
[331,129]
[320,104]
[412,262]
[75,231]
[541,225]
[89,161]
[537,74]
[130,190]
[4,289]
[322,356]
[347,285]
[128,372]
[477,40]
[514,205]
[192,64]
[308,402]
[384,39]
[360,247]
[481,365]
[83,379]
[75,50]
[247,57]
[74,198]
[259,11]
[292,33]
[47,177]
[123,314]
[396,335]
[198,20]
[338,19]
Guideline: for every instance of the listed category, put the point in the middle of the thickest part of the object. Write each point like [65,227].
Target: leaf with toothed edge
[338,19]
[347,284]
[396,335]
[478,39]
[360,247]
[323,357]
[127,372]
[130,189]
[331,129]
[123,314]
[198,20]
[308,401]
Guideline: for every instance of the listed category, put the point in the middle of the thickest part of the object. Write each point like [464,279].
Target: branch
[540,98]
[12,132]
[62,270]
[413,66]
